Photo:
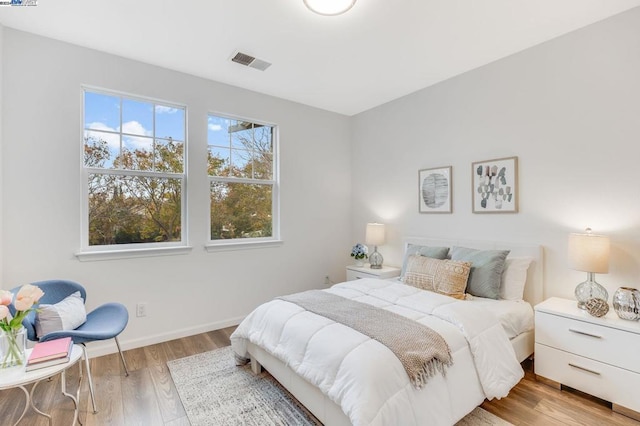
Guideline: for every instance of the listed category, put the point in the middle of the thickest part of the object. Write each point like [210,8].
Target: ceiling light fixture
[329,7]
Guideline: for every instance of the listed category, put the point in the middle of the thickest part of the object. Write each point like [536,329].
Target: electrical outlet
[141,309]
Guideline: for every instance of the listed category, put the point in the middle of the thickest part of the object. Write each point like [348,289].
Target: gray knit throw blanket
[421,350]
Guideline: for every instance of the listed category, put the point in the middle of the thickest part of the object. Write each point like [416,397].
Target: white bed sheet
[516,316]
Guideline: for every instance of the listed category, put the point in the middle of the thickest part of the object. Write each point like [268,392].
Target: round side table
[19,378]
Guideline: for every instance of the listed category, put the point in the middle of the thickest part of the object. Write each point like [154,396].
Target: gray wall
[189,293]
[568,109]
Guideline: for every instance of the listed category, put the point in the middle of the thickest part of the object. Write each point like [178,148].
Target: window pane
[240,210]
[218,131]
[100,149]
[170,123]
[241,133]
[133,209]
[241,163]
[101,112]
[137,154]
[263,136]
[263,166]
[169,156]
[219,159]
[137,117]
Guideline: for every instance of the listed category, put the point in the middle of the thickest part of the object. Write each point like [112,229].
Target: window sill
[89,256]
[241,245]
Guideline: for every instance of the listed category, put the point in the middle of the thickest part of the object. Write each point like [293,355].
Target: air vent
[243,59]
[250,61]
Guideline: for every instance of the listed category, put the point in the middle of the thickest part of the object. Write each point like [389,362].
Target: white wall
[185,293]
[569,109]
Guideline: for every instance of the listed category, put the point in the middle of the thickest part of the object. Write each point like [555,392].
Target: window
[243,180]
[133,172]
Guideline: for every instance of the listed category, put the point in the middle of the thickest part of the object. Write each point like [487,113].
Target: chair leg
[89,378]
[124,363]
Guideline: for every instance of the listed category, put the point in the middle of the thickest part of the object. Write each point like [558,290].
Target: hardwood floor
[148,396]
[533,403]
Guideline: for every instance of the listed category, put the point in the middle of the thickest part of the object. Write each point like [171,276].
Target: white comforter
[363,376]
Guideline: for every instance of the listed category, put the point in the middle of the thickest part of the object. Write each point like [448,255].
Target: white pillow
[514,277]
[67,314]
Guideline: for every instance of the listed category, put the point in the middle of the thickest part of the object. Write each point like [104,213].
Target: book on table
[52,352]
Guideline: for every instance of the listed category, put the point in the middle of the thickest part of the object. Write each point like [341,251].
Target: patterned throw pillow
[448,277]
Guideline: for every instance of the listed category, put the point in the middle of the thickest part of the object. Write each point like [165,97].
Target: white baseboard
[106,347]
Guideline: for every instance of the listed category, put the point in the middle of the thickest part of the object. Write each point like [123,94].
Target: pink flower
[5,297]
[4,312]
[27,296]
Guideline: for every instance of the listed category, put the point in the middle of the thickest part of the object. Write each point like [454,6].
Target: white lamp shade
[589,253]
[329,7]
[375,234]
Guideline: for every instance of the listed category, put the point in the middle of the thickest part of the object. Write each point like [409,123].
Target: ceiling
[379,51]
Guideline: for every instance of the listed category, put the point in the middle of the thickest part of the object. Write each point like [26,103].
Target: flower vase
[359,263]
[12,348]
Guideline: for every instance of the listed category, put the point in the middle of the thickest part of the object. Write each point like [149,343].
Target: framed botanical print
[434,190]
[494,185]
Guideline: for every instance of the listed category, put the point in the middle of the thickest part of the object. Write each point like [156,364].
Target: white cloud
[215,127]
[133,142]
[100,126]
[113,139]
[161,109]
[135,128]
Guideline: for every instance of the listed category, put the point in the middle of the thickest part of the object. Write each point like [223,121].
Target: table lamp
[375,237]
[589,253]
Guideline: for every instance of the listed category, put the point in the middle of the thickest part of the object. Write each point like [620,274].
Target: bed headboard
[533,291]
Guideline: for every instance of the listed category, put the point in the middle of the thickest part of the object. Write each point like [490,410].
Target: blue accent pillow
[432,252]
[486,270]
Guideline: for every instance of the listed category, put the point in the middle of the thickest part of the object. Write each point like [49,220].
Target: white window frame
[248,243]
[117,251]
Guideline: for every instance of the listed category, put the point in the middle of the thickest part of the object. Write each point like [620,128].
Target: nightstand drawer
[353,275]
[604,381]
[359,272]
[612,346]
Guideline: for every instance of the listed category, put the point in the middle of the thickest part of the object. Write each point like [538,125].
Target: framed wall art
[434,190]
[494,185]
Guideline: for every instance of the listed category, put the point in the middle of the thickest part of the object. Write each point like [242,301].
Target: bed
[343,380]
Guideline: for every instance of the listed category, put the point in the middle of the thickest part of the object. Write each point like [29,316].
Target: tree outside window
[243,185]
[134,157]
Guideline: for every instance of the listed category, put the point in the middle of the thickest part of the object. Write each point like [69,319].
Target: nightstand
[357,272]
[598,356]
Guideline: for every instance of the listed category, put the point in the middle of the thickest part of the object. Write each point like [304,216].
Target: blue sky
[102,116]
[102,112]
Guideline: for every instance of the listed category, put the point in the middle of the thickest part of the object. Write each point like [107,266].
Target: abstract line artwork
[434,190]
[495,185]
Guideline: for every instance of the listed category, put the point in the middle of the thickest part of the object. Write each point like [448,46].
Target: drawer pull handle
[584,333]
[584,369]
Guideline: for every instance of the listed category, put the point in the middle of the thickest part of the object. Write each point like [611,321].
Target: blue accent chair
[105,322]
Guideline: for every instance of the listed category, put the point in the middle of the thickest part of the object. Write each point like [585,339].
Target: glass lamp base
[588,290]
[375,259]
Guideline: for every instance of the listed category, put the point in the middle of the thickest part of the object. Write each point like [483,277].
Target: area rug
[216,392]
